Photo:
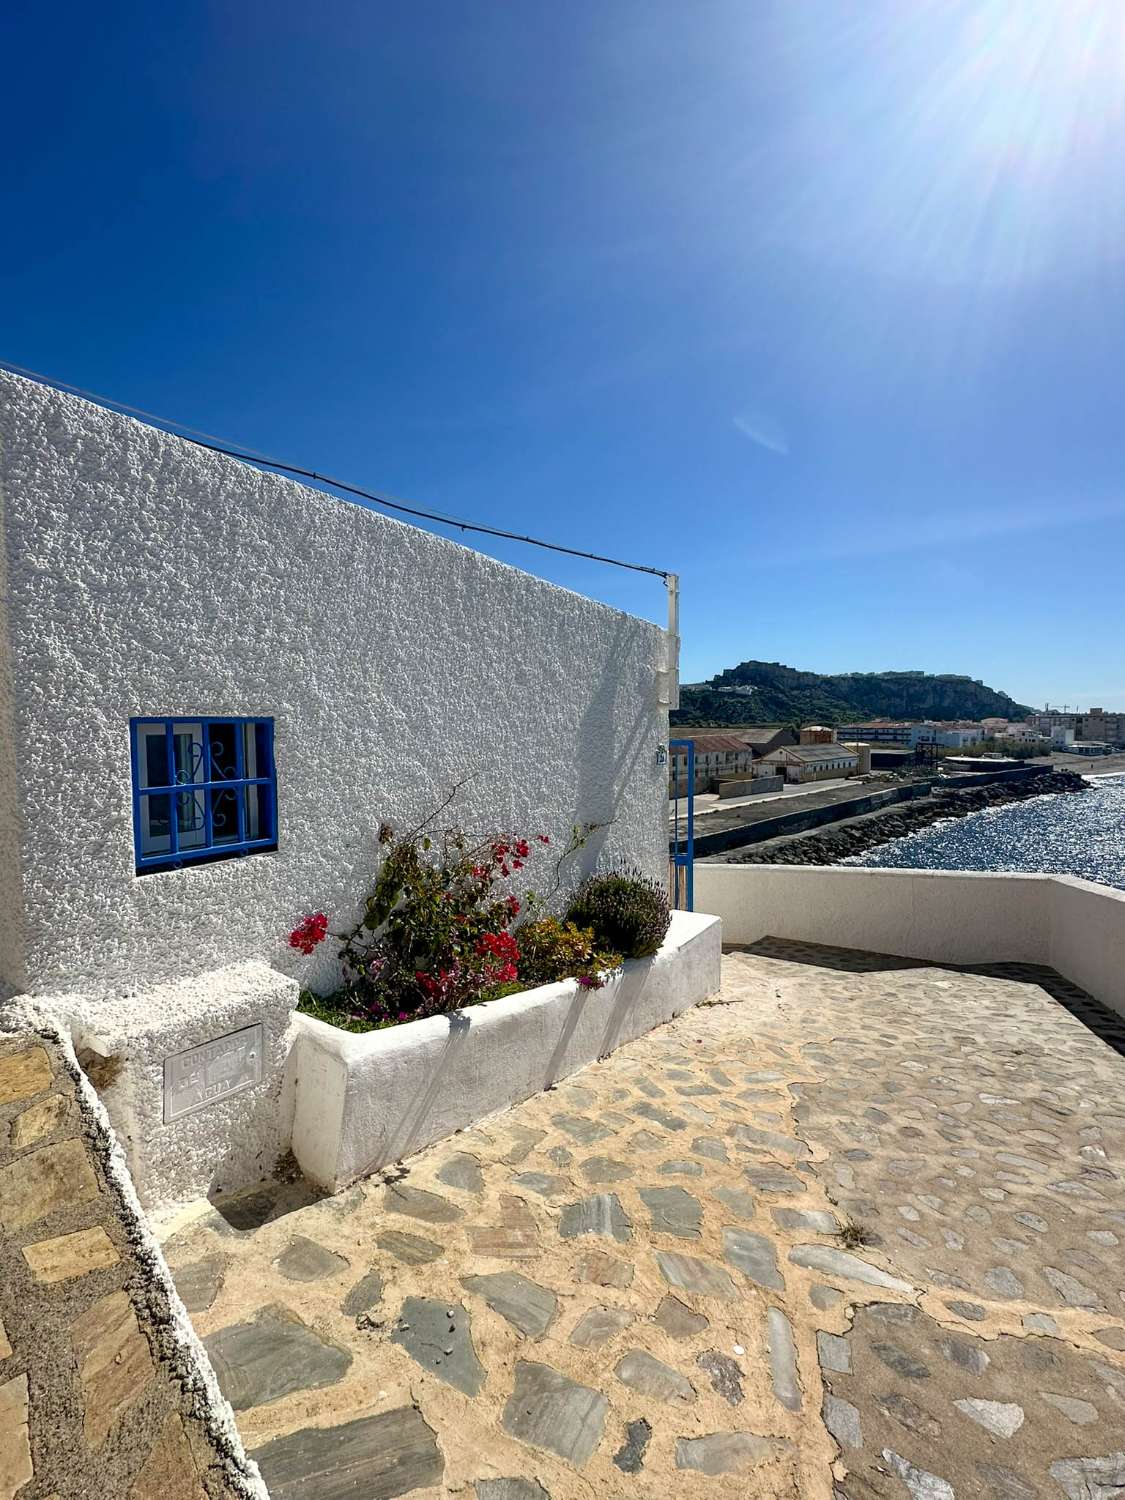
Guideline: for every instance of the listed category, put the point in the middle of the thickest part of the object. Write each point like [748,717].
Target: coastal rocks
[828,846]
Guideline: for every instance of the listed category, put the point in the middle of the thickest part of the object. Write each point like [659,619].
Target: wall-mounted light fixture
[662,755]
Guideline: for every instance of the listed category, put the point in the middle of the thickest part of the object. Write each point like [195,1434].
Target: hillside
[784,695]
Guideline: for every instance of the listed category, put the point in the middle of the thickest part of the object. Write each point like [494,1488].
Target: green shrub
[626,911]
[551,950]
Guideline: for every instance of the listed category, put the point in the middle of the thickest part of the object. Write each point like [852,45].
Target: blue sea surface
[1060,834]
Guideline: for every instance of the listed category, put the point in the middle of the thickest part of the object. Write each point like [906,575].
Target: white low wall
[1088,938]
[361,1102]
[1074,926]
[194,1114]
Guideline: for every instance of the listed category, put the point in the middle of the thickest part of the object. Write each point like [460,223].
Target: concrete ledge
[361,1102]
[950,916]
[225,1141]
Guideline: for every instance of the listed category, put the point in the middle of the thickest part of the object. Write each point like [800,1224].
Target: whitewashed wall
[11,888]
[148,576]
[949,916]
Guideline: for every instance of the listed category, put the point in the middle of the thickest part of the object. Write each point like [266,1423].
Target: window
[203,789]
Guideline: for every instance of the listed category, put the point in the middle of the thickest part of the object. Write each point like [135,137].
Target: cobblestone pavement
[93,1402]
[853,1231]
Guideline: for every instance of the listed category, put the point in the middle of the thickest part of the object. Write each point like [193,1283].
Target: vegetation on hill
[785,696]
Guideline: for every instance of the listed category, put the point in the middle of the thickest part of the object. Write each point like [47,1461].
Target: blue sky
[819,305]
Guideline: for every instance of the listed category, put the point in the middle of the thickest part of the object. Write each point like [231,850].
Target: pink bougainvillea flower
[309,932]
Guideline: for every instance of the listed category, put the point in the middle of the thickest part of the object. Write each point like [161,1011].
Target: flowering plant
[437,930]
[309,932]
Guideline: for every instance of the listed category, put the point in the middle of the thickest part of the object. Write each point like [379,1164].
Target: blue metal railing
[682,855]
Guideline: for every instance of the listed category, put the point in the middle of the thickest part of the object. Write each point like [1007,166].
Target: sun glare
[969,141]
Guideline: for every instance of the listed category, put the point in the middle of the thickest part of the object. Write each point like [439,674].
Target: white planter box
[361,1102]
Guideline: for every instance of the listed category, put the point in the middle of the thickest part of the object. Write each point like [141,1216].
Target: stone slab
[114,1363]
[598,1325]
[39,1119]
[674,1211]
[44,1180]
[441,1344]
[755,1256]
[170,1471]
[548,1410]
[270,1356]
[411,1249]
[525,1304]
[691,1274]
[24,1074]
[601,1214]
[304,1260]
[378,1457]
[652,1377]
[15,1444]
[70,1255]
[727,1452]
[200,1281]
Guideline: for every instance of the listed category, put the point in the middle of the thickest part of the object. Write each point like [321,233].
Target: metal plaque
[206,1074]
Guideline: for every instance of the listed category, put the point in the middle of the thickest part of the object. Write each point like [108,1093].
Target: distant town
[743,760]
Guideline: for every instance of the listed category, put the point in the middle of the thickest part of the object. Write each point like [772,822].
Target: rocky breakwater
[828,846]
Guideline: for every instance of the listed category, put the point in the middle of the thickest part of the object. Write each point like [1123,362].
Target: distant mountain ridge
[783,695]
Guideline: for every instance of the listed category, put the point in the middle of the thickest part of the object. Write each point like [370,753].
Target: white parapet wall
[1088,938]
[948,916]
[363,1101]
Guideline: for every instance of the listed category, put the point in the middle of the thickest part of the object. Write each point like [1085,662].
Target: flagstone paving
[855,1230]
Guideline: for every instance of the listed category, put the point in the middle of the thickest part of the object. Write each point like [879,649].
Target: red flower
[309,932]
[544,838]
[517,864]
[513,906]
[504,950]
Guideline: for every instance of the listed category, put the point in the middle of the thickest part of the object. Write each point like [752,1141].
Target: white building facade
[340,668]
[813,762]
[215,685]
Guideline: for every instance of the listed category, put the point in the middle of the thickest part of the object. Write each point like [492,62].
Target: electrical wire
[252,456]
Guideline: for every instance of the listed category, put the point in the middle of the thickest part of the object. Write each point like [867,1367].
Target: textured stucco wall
[13,973]
[148,576]
[233,1142]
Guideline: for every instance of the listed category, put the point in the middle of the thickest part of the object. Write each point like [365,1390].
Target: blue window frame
[203,789]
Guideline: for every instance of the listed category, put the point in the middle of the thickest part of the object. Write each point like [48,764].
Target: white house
[813,762]
[215,684]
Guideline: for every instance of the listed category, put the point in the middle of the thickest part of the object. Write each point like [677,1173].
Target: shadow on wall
[408,1135]
[604,770]
[410,1132]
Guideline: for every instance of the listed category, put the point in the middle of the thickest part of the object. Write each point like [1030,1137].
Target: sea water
[1063,833]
